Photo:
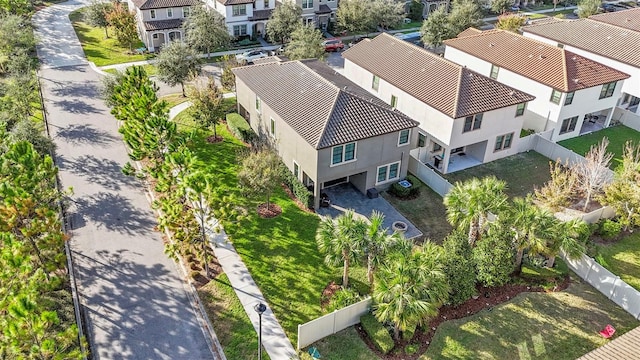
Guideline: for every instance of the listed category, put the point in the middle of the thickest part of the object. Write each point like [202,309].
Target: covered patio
[344,197]
[596,121]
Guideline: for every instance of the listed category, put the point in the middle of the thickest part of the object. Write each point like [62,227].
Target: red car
[333,45]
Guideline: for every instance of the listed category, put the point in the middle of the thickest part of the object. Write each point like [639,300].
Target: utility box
[372,193]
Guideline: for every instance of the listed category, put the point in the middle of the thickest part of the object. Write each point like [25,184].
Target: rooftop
[546,64]
[322,106]
[163,24]
[627,19]
[444,85]
[160,4]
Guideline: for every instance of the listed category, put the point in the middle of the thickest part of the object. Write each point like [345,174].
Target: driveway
[135,301]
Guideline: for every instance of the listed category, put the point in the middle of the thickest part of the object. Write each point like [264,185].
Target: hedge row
[240,128]
[403,192]
[297,187]
[377,333]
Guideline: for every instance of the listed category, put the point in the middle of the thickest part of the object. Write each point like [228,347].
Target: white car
[249,56]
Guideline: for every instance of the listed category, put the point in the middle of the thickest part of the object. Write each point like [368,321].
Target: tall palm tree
[534,227]
[469,204]
[410,289]
[569,238]
[341,240]
[378,243]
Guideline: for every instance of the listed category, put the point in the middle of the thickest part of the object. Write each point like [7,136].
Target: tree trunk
[39,255]
[551,260]
[370,269]
[106,33]
[519,256]
[183,93]
[474,231]
[345,273]
[396,332]
[204,250]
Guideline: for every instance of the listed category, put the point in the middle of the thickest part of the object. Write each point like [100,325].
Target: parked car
[608,8]
[356,40]
[412,37]
[249,56]
[333,44]
[515,8]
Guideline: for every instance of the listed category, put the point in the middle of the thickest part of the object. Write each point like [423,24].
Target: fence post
[333,331]
[298,342]
[590,267]
[613,289]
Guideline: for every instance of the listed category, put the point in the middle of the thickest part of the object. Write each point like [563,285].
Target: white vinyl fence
[593,217]
[427,174]
[607,283]
[331,323]
[627,118]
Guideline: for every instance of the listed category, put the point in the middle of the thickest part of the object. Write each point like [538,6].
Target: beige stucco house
[327,130]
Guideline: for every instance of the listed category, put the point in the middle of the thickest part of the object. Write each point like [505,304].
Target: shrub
[609,229]
[411,349]
[403,192]
[297,187]
[409,332]
[399,190]
[459,268]
[377,333]
[240,128]
[343,298]
[494,259]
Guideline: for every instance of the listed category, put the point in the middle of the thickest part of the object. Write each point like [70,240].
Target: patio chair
[608,331]
[314,353]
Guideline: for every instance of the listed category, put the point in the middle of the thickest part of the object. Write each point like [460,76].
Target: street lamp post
[260,308]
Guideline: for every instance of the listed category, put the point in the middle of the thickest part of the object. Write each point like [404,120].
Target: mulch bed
[214,139]
[269,212]
[489,297]
[295,199]
[328,293]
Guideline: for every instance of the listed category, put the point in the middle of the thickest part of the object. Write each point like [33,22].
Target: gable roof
[163,24]
[444,85]
[160,4]
[599,38]
[627,19]
[469,31]
[546,64]
[306,96]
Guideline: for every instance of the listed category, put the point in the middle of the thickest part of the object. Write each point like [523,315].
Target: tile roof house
[244,18]
[465,118]
[574,94]
[160,21]
[326,129]
[608,42]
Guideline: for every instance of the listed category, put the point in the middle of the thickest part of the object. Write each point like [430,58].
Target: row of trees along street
[37,318]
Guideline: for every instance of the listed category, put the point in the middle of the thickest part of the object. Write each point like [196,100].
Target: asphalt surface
[134,298]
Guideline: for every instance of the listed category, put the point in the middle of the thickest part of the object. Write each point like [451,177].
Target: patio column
[316,194]
[445,160]
[609,116]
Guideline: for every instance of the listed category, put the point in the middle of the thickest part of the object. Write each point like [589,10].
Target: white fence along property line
[607,283]
[331,323]
[627,118]
[427,174]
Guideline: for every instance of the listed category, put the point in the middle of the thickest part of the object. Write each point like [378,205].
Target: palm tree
[378,243]
[341,240]
[568,238]
[410,289]
[469,204]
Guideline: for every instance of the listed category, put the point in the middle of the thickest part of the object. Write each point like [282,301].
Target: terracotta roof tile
[261,14]
[235,2]
[163,24]
[603,39]
[310,101]
[469,31]
[439,83]
[541,62]
[160,4]
[628,19]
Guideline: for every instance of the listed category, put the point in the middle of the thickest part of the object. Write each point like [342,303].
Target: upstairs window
[266,4]
[503,142]
[272,128]
[394,101]
[307,4]
[152,13]
[607,90]
[422,140]
[239,10]
[494,72]
[186,11]
[520,109]
[258,105]
[343,153]
[403,138]
[169,12]
[472,123]
[569,99]
[375,83]
[555,96]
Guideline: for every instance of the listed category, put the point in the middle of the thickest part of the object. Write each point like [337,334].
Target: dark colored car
[608,8]
[356,40]
[333,45]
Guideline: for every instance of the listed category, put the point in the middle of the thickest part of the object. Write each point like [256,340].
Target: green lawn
[230,322]
[174,99]
[617,135]
[343,345]
[623,259]
[558,326]
[426,212]
[100,50]
[411,25]
[522,172]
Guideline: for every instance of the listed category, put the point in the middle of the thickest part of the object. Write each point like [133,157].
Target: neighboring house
[244,17]
[160,21]
[465,118]
[326,129]
[615,45]
[574,94]
[317,12]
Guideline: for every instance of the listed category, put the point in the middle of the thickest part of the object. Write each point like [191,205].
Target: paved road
[135,301]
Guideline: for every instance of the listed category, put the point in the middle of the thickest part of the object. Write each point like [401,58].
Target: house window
[375,83]
[186,11]
[457,150]
[394,101]
[561,46]
[503,142]
[388,172]
[403,138]
[296,170]
[607,90]
[169,12]
[155,36]
[520,109]
[239,30]
[436,147]
[568,125]
[272,128]
[343,153]
[494,72]
[422,140]
[569,99]
[266,4]
[152,13]
[555,96]
[258,103]
[472,122]
[239,10]
[307,4]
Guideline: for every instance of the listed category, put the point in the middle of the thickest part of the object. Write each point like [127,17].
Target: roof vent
[574,58]
[423,70]
[492,44]
[512,93]
[576,80]
[608,37]
[627,20]
[530,56]
[541,56]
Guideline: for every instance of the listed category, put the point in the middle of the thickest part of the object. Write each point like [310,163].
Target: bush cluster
[609,229]
[297,187]
[377,333]
[343,298]
[240,128]
[403,192]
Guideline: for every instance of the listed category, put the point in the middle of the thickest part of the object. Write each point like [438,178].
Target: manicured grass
[561,325]
[617,135]
[100,50]
[411,25]
[230,321]
[522,172]
[174,99]
[426,212]
[344,345]
[623,259]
